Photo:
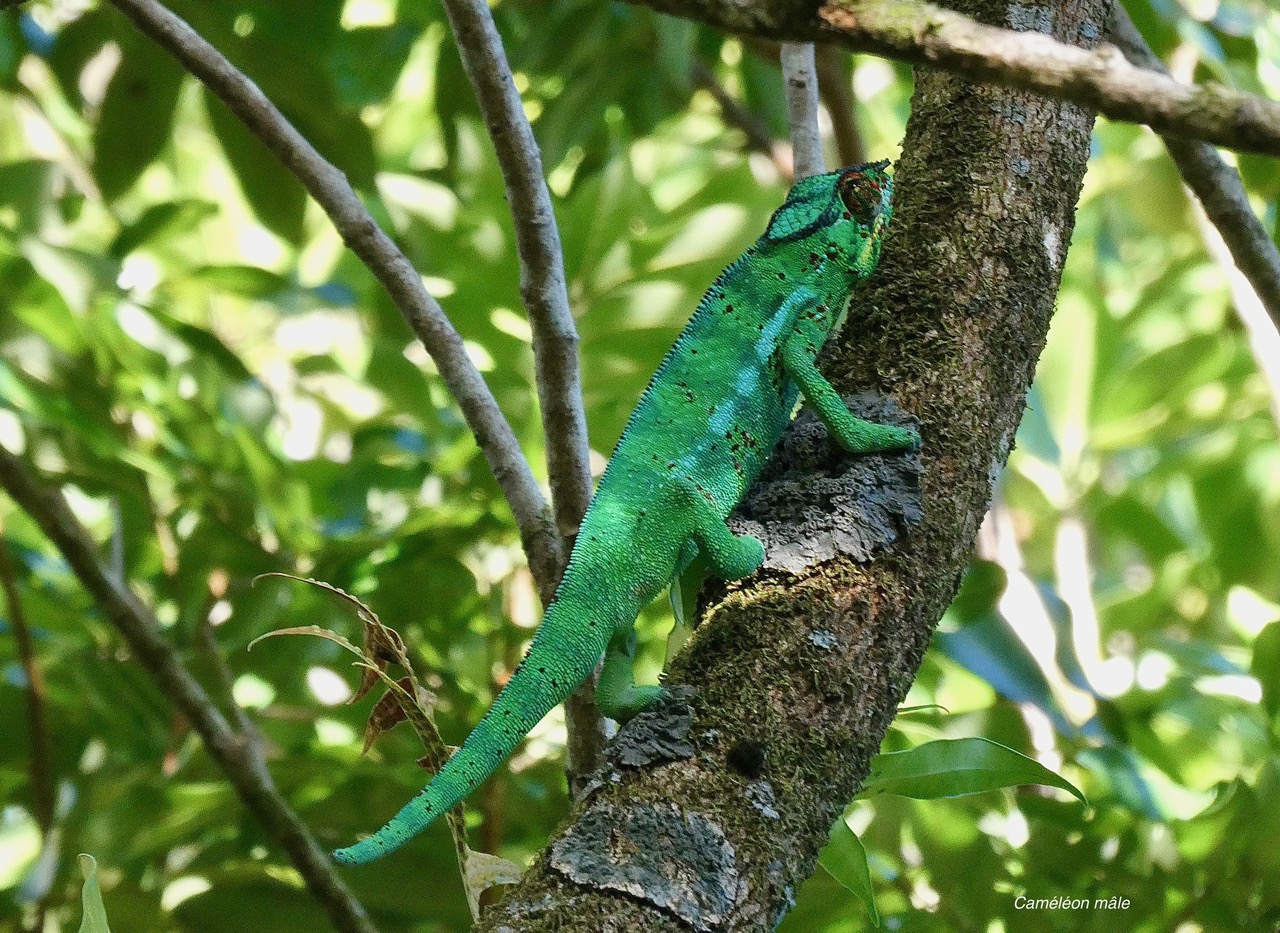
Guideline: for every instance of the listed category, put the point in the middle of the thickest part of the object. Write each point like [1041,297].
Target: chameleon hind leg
[618,696]
[852,433]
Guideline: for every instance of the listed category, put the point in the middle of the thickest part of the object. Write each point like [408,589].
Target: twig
[384,259]
[758,137]
[139,628]
[39,766]
[1216,184]
[837,98]
[542,284]
[925,34]
[800,84]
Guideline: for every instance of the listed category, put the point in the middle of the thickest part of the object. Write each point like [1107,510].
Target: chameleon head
[848,208]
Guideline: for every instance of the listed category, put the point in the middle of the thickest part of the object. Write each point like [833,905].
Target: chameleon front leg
[852,433]
[617,694]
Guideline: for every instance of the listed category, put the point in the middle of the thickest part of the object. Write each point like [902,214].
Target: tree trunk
[710,814]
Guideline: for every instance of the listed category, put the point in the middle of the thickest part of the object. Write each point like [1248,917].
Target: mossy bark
[713,817]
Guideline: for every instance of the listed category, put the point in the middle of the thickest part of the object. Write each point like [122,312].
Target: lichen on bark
[798,674]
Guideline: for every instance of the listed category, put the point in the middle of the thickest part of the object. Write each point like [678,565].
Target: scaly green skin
[695,442]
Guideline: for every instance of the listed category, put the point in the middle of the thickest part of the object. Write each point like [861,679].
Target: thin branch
[837,98]
[384,259]
[542,284]
[555,337]
[734,114]
[138,626]
[800,84]
[1215,183]
[40,764]
[925,34]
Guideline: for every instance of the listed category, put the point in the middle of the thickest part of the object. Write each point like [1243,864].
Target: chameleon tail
[564,652]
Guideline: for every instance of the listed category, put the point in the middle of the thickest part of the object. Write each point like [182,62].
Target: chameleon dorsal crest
[696,441]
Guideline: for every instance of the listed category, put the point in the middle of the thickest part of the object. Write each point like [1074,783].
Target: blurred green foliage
[186,347]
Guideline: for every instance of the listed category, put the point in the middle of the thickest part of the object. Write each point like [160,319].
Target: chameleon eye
[862,194]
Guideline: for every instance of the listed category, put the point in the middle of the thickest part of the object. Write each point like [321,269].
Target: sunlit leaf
[955,767]
[94,918]
[846,860]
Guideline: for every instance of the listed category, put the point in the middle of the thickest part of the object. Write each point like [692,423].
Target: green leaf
[277,198]
[357,84]
[159,220]
[983,584]
[136,117]
[956,767]
[95,914]
[1266,666]
[11,49]
[845,860]
[245,281]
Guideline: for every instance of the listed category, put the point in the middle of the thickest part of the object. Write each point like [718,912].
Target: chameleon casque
[696,441]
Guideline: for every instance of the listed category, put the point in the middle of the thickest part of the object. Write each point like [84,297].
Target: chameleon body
[699,436]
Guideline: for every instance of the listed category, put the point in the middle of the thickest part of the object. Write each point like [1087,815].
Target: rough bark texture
[712,809]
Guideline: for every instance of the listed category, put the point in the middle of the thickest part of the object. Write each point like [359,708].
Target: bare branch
[800,84]
[542,285]
[138,626]
[734,114]
[925,34]
[384,259]
[1215,183]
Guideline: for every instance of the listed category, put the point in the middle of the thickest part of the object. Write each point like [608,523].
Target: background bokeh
[224,391]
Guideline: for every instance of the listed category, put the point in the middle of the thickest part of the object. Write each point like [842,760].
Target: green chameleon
[697,439]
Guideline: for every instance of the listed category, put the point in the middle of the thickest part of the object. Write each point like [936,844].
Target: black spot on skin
[782,276]
[748,757]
